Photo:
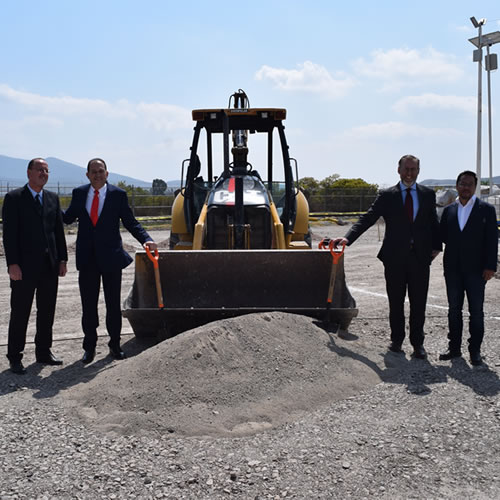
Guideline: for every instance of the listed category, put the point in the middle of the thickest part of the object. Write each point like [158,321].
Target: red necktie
[94,209]
[409,205]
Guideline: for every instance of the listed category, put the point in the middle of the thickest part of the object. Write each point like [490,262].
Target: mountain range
[62,173]
[68,175]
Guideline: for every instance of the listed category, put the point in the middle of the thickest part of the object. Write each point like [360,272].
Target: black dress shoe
[48,358]
[117,353]
[395,347]
[17,368]
[419,352]
[446,356]
[88,357]
[475,359]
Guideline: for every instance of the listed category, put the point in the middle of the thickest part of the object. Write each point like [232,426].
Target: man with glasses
[36,254]
[469,231]
[411,242]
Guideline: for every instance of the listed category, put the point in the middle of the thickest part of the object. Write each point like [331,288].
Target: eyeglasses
[466,184]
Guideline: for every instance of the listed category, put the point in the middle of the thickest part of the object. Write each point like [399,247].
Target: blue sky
[363,82]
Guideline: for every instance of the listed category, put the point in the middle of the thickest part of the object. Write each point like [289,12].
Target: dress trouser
[457,285]
[21,300]
[89,280]
[411,275]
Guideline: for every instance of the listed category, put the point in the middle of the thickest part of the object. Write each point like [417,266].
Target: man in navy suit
[469,231]
[99,207]
[35,250]
[411,242]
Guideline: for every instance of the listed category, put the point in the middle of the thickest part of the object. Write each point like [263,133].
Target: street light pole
[490,147]
[486,40]
[478,56]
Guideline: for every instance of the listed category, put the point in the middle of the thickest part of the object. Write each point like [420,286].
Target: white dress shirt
[102,197]
[464,211]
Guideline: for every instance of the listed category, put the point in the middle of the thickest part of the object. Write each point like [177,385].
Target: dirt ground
[242,375]
[263,406]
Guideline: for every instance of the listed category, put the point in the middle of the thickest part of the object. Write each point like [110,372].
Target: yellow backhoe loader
[240,239]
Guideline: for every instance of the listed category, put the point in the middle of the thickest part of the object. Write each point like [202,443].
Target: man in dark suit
[35,250]
[99,207]
[469,232]
[410,244]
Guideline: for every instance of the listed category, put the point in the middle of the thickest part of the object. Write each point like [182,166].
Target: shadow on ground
[418,375]
[68,375]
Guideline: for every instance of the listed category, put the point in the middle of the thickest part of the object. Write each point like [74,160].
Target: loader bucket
[206,285]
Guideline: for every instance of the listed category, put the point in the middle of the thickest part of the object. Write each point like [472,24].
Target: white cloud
[397,130]
[309,77]
[162,117]
[408,67]
[66,105]
[29,120]
[141,139]
[43,120]
[464,28]
[435,101]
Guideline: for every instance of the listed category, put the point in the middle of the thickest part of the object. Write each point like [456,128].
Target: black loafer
[419,352]
[48,359]
[17,368]
[117,353]
[395,347]
[88,357]
[476,359]
[446,356]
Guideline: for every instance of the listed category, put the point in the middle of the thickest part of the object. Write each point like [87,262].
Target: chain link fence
[342,200]
[147,205]
[143,204]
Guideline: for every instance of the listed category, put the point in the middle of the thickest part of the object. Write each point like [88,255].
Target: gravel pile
[228,378]
[428,429]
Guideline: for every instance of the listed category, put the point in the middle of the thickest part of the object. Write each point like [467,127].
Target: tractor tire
[173,240]
[308,238]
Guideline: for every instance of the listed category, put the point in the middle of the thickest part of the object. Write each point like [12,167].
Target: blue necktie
[38,203]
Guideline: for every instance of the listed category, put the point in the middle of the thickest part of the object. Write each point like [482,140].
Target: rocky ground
[266,406]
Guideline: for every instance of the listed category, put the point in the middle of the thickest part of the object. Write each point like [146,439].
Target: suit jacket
[28,236]
[400,233]
[103,242]
[475,248]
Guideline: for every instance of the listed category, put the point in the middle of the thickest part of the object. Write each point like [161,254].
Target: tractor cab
[242,210]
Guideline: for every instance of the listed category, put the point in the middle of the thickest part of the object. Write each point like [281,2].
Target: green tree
[132,189]
[159,187]
[309,185]
[327,184]
[123,185]
[355,184]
